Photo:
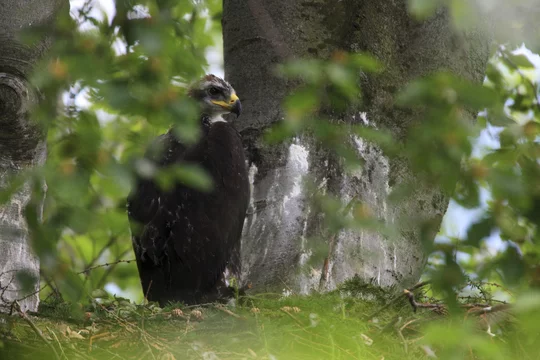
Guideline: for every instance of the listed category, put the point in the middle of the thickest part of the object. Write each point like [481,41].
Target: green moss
[351,322]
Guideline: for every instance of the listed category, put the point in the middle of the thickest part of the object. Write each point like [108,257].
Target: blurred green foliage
[439,146]
[132,70]
[120,82]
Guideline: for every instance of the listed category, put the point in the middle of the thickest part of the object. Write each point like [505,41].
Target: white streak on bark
[15,246]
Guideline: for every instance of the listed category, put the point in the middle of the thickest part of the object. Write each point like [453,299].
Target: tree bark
[22,142]
[283,236]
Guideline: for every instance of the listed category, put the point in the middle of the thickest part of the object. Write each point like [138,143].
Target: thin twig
[34,293]
[95,337]
[403,340]
[112,239]
[147,291]
[227,311]
[101,281]
[36,330]
[58,341]
[489,309]
[476,298]
[198,305]
[103,265]
[54,289]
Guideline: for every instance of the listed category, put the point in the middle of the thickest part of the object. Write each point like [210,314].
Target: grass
[265,326]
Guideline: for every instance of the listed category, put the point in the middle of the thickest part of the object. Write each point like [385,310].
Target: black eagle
[187,242]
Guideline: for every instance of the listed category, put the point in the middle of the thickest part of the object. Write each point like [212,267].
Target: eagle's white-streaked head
[215,96]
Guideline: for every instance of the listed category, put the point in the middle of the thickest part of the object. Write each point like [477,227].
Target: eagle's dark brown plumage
[186,240]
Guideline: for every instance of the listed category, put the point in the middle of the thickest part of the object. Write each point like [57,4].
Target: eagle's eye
[213,91]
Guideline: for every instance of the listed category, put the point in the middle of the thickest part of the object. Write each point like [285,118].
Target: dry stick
[58,341]
[35,328]
[403,340]
[419,285]
[415,305]
[326,265]
[95,337]
[400,333]
[490,309]
[147,343]
[396,300]
[407,324]
[475,309]
[227,311]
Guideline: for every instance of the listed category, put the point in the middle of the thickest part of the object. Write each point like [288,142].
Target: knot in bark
[19,135]
[16,97]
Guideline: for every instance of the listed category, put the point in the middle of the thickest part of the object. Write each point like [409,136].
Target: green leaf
[509,136]
[341,77]
[279,132]
[476,96]
[463,13]
[27,280]
[415,93]
[501,156]
[500,120]
[308,70]
[511,264]
[303,101]
[467,194]
[520,60]
[423,9]
[494,75]
[99,294]
[194,176]
[479,231]
[366,62]
[529,301]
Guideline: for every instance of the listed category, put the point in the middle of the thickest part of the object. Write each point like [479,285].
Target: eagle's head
[215,96]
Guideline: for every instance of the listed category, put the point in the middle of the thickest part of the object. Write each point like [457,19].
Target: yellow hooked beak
[233,105]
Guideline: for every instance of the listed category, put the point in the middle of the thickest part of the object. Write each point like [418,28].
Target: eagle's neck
[207,120]
[217,118]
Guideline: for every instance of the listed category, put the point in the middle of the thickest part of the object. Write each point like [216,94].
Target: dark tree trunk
[22,143]
[279,241]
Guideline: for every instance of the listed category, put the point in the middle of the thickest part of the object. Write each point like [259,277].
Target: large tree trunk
[22,144]
[279,240]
